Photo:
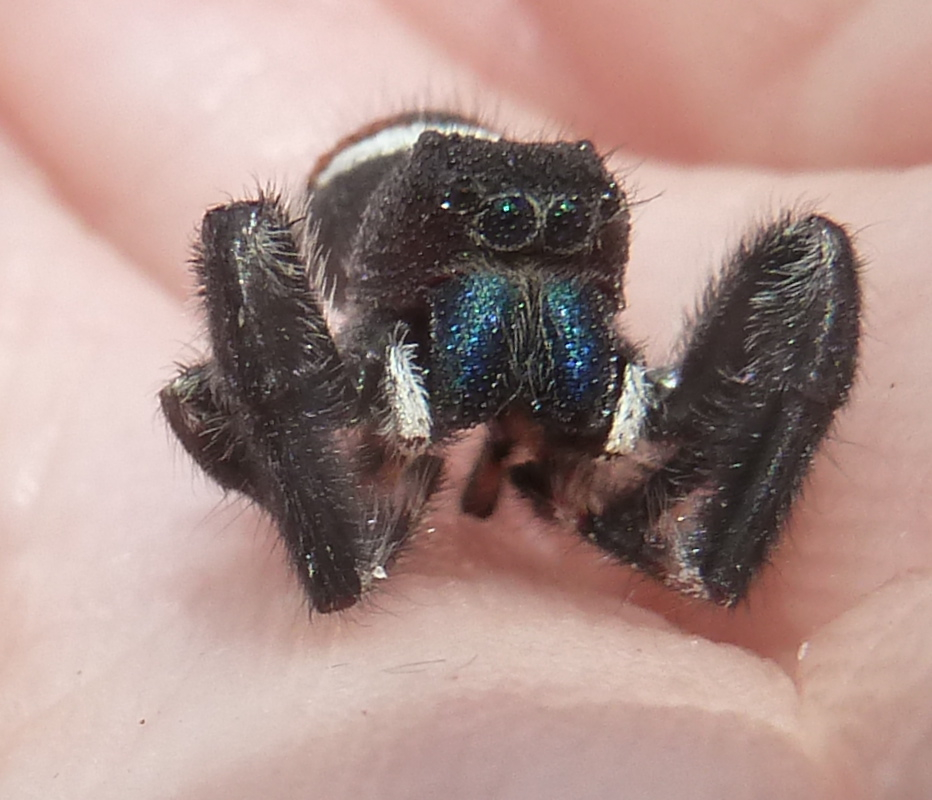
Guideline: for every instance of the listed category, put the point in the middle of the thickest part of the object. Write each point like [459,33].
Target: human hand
[156,645]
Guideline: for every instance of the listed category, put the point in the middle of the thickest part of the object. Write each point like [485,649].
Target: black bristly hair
[480,279]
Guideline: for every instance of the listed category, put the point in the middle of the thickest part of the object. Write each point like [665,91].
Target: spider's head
[459,201]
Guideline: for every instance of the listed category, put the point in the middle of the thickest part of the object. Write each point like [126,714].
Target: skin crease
[154,645]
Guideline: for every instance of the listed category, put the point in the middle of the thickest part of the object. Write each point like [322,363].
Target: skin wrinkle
[154,642]
[748,88]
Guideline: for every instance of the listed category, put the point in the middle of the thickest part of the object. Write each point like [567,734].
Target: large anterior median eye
[568,225]
[508,221]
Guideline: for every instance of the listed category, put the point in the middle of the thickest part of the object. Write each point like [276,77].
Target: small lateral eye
[568,224]
[462,197]
[610,201]
[508,221]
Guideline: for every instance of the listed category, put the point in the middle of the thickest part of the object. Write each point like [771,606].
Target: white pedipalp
[629,423]
[408,418]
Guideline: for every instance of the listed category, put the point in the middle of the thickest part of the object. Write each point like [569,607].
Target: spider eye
[610,202]
[568,224]
[508,222]
[462,197]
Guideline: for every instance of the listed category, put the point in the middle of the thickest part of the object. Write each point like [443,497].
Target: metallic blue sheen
[472,317]
[576,337]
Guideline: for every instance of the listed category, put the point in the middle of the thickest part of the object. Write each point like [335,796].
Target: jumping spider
[480,280]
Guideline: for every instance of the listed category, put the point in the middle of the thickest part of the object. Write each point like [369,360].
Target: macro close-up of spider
[441,278]
[412,400]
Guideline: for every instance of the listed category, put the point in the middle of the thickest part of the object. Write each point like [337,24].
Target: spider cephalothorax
[479,280]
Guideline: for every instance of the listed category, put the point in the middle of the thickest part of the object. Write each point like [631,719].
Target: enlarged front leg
[769,360]
[270,414]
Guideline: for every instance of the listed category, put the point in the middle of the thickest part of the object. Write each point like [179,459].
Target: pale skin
[154,643]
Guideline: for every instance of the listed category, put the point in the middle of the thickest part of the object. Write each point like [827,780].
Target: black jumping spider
[480,280]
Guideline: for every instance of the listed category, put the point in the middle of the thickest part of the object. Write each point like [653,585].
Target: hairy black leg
[279,376]
[770,359]
[205,430]
[278,399]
